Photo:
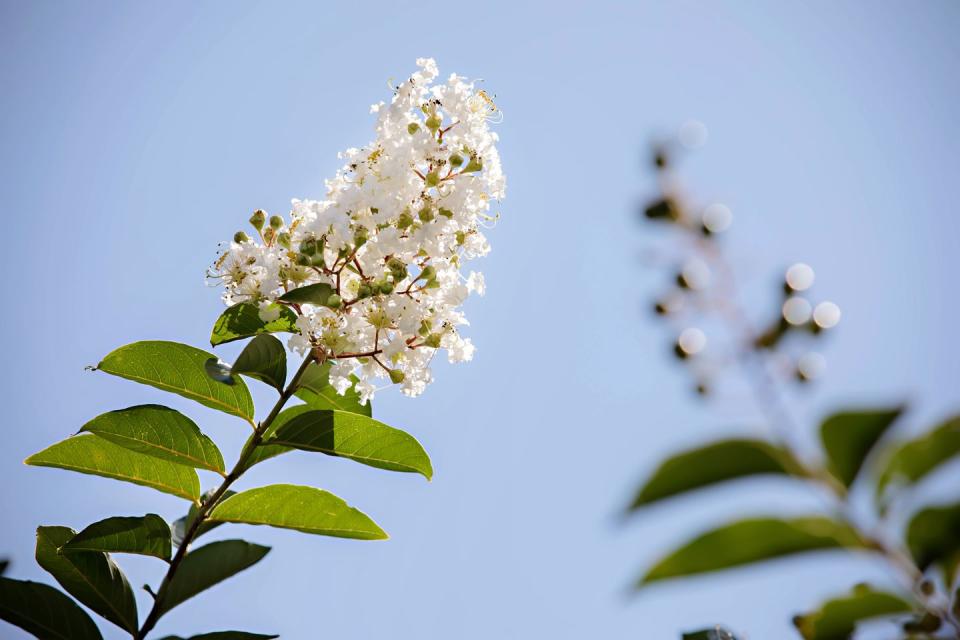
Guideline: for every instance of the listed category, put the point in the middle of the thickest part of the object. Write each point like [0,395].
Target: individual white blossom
[390,237]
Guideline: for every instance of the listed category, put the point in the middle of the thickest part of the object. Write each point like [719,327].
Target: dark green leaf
[716,633]
[301,508]
[837,619]
[913,460]
[44,612]
[208,565]
[243,320]
[97,456]
[712,464]
[265,359]
[180,369]
[933,535]
[4,565]
[316,294]
[267,451]
[179,527]
[315,389]
[149,536]
[92,578]
[224,635]
[160,432]
[849,436]
[753,540]
[357,437]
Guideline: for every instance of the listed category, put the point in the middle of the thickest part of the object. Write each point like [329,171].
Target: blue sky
[136,136]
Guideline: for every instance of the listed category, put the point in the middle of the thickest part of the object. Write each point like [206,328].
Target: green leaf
[316,294]
[752,540]
[315,389]
[716,633]
[913,460]
[207,566]
[148,535]
[849,436]
[44,612]
[357,437]
[266,451]
[933,535]
[160,432]
[92,578]
[712,464]
[180,369]
[179,527]
[837,619]
[301,508]
[97,456]
[225,635]
[265,359]
[243,320]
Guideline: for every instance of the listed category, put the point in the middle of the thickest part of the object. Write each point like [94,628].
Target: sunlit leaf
[849,436]
[315,389]
[301,508]
[837,619]
[933,535]
[265,359]
[356,437]
[208,565]
[44,612]
[160,432]
[97,456]
[92,578]
[712,464]
[243,320]
[148,535]
[316,294]
[754,540]
[913,460]
[180,369]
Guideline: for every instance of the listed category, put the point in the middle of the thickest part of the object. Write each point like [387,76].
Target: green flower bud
[434,122]
[283,239]
[433,340]
[475,164]
[317,259]
[240,237]
[334,301]
[386,287]
[425,214]
[446,213]
[396,376]
[456,160]
[308,247]
[364,291]
[276,222]
[428,273]
[258,218]
[412,128]
[432,179]
[302,260]
[405,220]
[269,234]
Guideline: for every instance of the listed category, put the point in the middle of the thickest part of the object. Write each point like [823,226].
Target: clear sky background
[136,136]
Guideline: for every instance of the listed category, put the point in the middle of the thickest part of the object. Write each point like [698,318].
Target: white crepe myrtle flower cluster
[388,243]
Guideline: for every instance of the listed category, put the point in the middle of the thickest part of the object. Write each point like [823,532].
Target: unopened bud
[258,218]
[396,376]
[334,301]
[276,222]
[283,239]
[302,260]
[456,160]
[364,291]
[386,287]
[432,179]
[240,237]
[433,122]
[412,128]
[308,247]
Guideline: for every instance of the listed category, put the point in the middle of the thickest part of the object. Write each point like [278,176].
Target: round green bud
[433,340]
[386,287]
[334,301]
[240,237]
[258,218]
[317,259]
[412,128]
[269,234]
[396,376]
[276,222]
[425,214]
[364,291]
[446,213]
[283,239]
[434,122]
[308,247]
[456,160]
[302,260]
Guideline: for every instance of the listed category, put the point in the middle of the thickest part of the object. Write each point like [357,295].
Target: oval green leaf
[243,320]
[265,359]
[207,566]
[44,612]
[849,436]
[714,463]
[97,456]
[300,508]
[180,369]
[148,535]
[356,437]
[913,460]
[315,389]
[933,535]
[160,432]
[315,294]
[749,541]
[92,578]
[837,619]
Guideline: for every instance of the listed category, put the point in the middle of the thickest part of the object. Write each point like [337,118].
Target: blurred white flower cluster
[383,253]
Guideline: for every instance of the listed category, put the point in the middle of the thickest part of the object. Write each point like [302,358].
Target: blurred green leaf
[933,535]
[243,320]
[44,612]
[224,635]
[148,535]
[301,508]
[849,436]
[316,294]
[357,437]
[754,540]
[265,359]
[180,369]
[837,619]
[160,432]
[97,456]
[315,389]
[714,463]
[716,633]
[178,529]
[209,565]
[913,460]
[92,578]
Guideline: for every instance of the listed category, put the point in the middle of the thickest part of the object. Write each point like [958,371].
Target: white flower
[390,237]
